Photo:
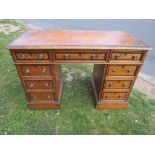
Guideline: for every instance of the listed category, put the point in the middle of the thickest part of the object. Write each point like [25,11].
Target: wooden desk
[117,58]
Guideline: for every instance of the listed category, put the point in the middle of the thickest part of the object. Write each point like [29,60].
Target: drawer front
[39,84]
[114,96]
[35,70]
[79,56]
[42,96]
[122,70]
[30,56]
[126,56]
[117,84]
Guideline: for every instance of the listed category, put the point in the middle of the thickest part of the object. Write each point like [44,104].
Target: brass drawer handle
[124,84]
[44,70]
[66,57]
[109,85]
[27,71]
[106,96]
[114,70]
[125,53]
[120,96]
[34,97]
[134,57]
[117,57]
[93,57]
[31,85]
[49,96]
[41,56]
[22,56]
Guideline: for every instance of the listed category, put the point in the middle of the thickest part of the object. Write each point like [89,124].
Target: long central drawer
[80,55]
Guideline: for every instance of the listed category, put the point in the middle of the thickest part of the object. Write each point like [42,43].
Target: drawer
[31,56]
[42,96]
[36,70]
[122,70]
[117,84]
[114,96]
[80,56]
[126,56]
[39,84]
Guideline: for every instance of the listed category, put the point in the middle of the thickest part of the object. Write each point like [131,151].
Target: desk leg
[98,79]
[57,82]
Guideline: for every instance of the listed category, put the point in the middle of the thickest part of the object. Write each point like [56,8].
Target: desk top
[77,39]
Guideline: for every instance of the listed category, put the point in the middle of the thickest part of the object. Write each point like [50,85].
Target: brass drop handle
[44,70]
[117,57]
[134,57]
[27,71]
[66,57]
[49,96]
[31,85]
[46,85]
[22,56]
[93,57]
[41,56]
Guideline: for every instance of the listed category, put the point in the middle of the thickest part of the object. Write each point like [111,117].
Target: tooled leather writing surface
[76,39]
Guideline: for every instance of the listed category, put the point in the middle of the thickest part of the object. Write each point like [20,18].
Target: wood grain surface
[73,39]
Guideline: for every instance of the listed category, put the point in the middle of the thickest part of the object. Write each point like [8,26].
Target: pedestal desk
[117,58]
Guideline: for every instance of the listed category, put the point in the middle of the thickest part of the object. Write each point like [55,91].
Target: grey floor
[142,29]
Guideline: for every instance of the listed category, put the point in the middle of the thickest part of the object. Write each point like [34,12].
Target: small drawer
[80,56]
[131,56]
[39,84]
[122,70]
[42,96]
[117,84]
[36,70]
[114,96]
[32,56]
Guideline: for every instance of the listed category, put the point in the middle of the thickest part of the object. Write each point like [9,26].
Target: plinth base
[43,105]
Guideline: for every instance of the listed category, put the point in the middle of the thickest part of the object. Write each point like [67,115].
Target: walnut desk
[117,58]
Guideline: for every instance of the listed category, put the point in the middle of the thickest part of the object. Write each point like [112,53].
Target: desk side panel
[98,72]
